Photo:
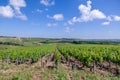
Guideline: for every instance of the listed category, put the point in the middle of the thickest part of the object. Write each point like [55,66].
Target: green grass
[26,72]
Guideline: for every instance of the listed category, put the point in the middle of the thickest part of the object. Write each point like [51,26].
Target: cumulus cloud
[57,17]
[110,19]
[17,4]
[73,20]
[87,14]
[105,23]
[47,2]
[13,9]
[116,18]
[113,18]
[6,11]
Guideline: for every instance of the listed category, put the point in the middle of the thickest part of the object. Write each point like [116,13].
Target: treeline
[11,43]
[80,42]
[95,42]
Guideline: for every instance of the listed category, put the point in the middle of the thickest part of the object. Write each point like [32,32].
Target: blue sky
[83,19]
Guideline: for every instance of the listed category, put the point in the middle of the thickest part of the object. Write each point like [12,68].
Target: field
[59,59]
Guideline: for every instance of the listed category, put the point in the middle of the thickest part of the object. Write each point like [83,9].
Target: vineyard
[87,58]
[23,54]
[92,56]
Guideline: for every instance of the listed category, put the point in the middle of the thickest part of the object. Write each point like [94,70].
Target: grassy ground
[7,46]
[35,72]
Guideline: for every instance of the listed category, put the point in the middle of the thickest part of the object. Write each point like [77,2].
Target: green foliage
[25,53]
[91,53]
[57,56]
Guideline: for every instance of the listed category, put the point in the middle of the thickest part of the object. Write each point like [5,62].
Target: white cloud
[110,19]
[116,18]
[87,14]
[6,11]
[19,14]
[51,24]
[17,4]
[105,23]
[113,18]
[73,20]
[47,2]
[57,17]
[13,9]
[96,14]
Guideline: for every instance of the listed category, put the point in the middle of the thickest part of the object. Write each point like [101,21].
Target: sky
[81,19]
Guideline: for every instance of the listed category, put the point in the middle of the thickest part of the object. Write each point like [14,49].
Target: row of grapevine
[26,53]
[88,54]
